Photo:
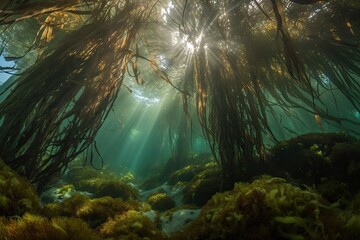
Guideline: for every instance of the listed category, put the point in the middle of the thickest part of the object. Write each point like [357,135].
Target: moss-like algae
[101,183]
[161,201]
[131,225]
[185,174]
[202,187]
[17,195]
[93,211]
[314,158]
[268,208]
[175,171]
[40,228]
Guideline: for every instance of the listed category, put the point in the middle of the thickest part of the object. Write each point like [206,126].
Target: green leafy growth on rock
[268,208]
[17,195]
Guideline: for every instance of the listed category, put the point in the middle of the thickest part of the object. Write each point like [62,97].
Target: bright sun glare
[184,40]
[189,43]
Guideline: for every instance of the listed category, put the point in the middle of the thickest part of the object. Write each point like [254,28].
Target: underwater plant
[108,187]
[202,186]
[237,62]
[75,174]
[352,227]
[161,201]
[86,68]
[67,208]
[334,190]
[319,159]
[355,204]
[174,171]
[185,174]
[151,182]
[17,195]
[234,89]
[101,183]
[116,189]
[40,228]
[93,211]
[128,177]
[267,208]
[2,226]
[131,225]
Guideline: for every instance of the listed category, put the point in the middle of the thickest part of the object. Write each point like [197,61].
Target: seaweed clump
[346,163]
[202,187]
[17,195]
[268,208]
[2,226]
[93,211]
[79,80]
[100,183]
[161,202]
[131,225]
[184,174]
[187,173]
[116,189]
[327,161]
[175,171]
[76,173]
[40,228]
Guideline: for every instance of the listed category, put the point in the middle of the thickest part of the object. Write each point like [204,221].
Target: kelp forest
[230,90]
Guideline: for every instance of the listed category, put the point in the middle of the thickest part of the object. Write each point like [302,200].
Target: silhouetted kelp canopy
[234,62]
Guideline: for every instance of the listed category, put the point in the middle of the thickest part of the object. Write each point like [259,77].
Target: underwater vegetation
[265,208]
[88,66]
[329,161]
[131,225]
[355,204]
[102,187]
[2,226]
[40,228]
[269,208]
[76,174]
[202,186]
[185,174]
[243,80]
[161,201]
[101,183]
[190,168]
[78,217]
[93,211]
[76,56]
[199,177]
[17,195]
[174,171]
[116,189]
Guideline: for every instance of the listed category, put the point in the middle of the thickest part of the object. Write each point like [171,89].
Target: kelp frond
[58,105]
[247,55]
[240,59]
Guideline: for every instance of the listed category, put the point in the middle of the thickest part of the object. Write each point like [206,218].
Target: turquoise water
[143,129]
[4,76]
[243,115]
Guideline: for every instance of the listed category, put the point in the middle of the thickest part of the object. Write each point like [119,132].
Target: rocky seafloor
[306,188]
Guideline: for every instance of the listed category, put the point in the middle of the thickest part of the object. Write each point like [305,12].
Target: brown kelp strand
[58,105]
[250,52]
[16,11]
[237,63]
